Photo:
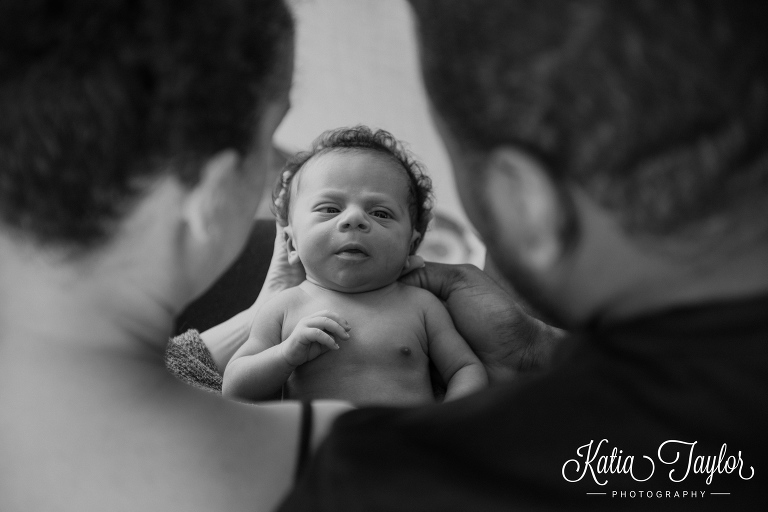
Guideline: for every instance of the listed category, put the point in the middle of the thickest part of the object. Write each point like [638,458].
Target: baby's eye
[380,214]
[329,209]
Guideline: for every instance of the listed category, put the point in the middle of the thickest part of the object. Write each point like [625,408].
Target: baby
[354,208]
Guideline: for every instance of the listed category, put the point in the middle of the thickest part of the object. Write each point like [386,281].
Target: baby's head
[354,207]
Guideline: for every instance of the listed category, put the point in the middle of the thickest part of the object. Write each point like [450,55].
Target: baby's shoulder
[415,296]
[288,299]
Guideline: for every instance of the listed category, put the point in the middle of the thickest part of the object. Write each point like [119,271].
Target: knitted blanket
[187,357]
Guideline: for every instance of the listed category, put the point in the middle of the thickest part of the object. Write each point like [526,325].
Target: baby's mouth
[352,250]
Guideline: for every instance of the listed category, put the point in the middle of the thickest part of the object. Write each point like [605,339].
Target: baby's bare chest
[390,329]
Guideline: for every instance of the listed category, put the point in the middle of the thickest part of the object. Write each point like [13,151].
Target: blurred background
[356,63]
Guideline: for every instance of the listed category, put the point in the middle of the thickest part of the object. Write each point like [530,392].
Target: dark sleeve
[188,358]
[456,456]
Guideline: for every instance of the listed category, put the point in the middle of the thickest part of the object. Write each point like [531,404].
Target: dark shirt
[689,375]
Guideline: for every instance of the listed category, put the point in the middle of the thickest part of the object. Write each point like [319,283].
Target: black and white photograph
[383,255]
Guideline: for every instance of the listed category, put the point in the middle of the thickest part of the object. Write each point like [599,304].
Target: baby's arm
[459,367]
[261,366]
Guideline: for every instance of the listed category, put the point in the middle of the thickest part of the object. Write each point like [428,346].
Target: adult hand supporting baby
[413,262]
[281,274]
[503,336]
[225,339]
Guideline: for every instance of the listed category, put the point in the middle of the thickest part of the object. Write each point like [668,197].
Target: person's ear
[212,196]
[526,207]
[290,246]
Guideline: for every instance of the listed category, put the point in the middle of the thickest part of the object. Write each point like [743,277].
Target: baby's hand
[312,336]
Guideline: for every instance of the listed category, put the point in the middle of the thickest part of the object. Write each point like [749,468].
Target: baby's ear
[290,246]
[415,241]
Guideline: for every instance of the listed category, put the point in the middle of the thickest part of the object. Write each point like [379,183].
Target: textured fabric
[187,357]
[690,375]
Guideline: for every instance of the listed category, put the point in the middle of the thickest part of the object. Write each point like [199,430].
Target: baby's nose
[354,218]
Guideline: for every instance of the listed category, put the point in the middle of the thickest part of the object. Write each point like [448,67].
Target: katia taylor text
[677,458]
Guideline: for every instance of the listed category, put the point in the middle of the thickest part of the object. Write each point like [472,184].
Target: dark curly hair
[420,200]
[657,109]
[100,96]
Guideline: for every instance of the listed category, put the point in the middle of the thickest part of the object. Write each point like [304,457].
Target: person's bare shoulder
[233,440]
[418,297]
[140,437]
[286,300]
[435,314]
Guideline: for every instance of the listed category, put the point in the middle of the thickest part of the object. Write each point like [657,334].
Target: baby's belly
[399,378]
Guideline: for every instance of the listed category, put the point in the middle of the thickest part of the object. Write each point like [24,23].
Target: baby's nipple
[405,351]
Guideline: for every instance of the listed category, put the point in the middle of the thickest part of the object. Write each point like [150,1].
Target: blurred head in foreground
[105,102]
[602,147]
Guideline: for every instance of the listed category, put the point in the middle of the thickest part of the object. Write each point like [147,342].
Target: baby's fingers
[332,315]
[332,326]
[315,334]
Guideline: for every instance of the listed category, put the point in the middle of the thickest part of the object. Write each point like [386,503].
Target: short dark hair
[98,95]
[657,108]
[362,138]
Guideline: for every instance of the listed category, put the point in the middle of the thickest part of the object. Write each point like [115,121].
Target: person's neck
[732,276]
[83,305]
[313,284]
[615,277]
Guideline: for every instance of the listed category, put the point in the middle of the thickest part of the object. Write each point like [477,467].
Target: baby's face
[349,222]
